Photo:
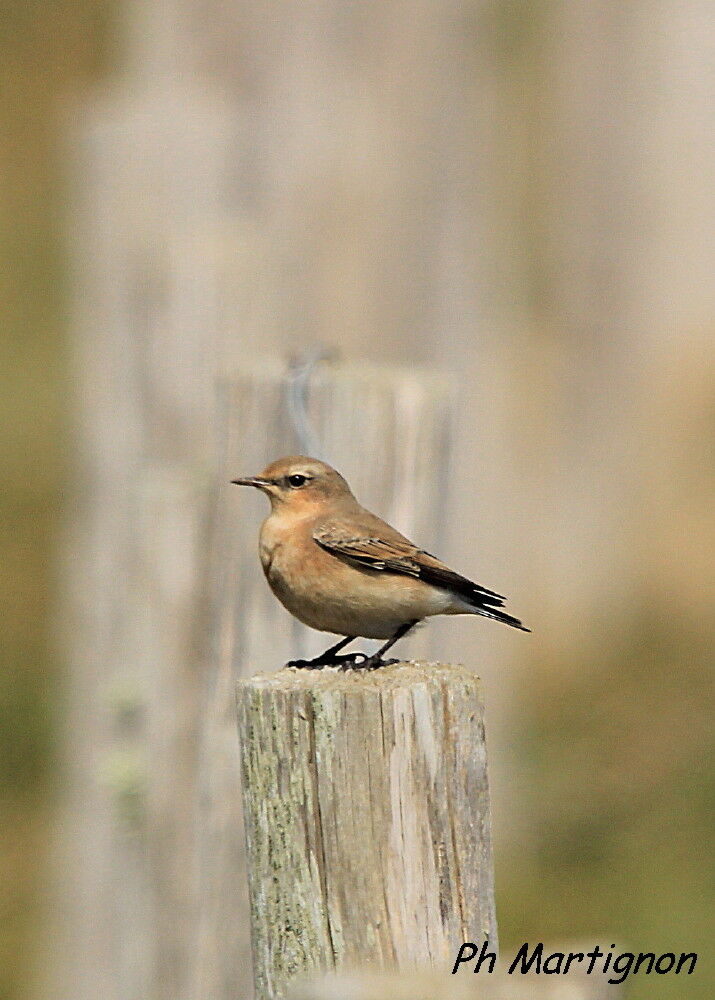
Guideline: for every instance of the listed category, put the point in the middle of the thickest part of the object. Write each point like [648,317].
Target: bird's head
[299,483]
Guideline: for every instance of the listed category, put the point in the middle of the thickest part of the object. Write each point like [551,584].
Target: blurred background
[497,217]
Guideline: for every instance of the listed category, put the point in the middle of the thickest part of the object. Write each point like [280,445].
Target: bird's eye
[297,481]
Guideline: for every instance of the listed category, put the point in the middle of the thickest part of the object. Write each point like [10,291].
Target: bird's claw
[345,662]
[370,663]
[306,664]
[348,661]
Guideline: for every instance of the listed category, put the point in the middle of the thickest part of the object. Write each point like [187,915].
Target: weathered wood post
[366,810]
[425,984]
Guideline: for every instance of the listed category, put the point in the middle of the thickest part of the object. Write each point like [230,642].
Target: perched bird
[338,568]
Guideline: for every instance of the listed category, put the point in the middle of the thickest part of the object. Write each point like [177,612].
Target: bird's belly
[333,596]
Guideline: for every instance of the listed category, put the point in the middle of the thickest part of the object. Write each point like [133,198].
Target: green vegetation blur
[614,747]
[48,50]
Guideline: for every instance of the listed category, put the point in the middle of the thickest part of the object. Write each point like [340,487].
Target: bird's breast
[269,549]
[330,594]
[283,547]
[288,556]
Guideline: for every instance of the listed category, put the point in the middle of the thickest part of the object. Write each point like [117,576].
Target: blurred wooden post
[389,431]
[366,810]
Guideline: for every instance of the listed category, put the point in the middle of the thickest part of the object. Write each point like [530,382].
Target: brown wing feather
[367,550]
[382,548]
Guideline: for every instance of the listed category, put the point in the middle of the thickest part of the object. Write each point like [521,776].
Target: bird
[338,568]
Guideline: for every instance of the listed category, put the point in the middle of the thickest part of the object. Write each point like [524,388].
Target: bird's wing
[373,544]
[369,551]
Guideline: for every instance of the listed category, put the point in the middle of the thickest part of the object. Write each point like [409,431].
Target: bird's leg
[376,660]
[329,657]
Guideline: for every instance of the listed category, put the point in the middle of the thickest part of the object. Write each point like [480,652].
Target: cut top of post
[396,675]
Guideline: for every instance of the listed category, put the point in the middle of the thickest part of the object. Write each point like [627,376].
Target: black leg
[328,657]
[376,660]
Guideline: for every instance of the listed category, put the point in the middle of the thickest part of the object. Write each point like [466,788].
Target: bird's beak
[261,484]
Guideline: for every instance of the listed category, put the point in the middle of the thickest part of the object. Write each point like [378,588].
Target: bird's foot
[349,661]
[373,663]
[306,664]
[345,662]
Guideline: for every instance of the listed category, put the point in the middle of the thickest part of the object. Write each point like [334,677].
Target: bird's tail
[499,616]
[474,598]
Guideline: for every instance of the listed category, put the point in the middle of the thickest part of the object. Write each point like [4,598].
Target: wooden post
[425,984]
[410,984]
[366,810]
